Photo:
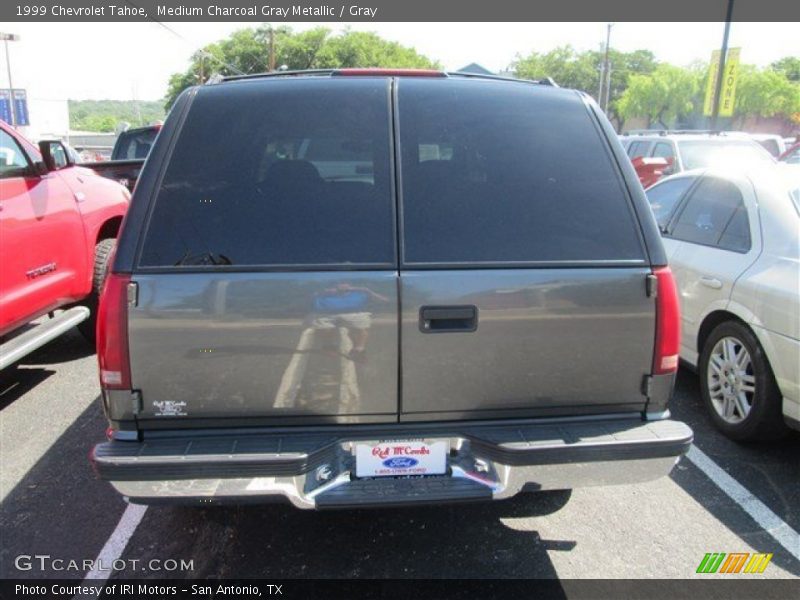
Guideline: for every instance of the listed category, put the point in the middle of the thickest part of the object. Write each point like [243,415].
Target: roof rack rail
[295,73]
[344,71]
[663,132]
[546,81]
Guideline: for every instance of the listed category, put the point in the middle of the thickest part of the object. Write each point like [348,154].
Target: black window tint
[522,175]
[664,197]
[288,172]
[637,149]
[771,146]
[134,144]
[663,150]
[736,236]
[714,210]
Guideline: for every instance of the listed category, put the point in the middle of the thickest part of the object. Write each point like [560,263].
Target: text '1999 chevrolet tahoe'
[358,288]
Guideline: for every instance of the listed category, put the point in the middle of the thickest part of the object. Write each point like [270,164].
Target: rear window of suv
[278,172]
[494,172]
[701,154]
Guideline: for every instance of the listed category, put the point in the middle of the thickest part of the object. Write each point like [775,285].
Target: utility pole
[136,104]
[601,87]
[10,37]
[271,49]
[605,75]
[721,69]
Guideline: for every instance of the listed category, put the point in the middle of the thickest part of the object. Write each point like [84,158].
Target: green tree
[247,51]
[104,115]
[788,66]
[567,67]
[662,96]
[367,49]
[623,66]
[581,70]
[765,93]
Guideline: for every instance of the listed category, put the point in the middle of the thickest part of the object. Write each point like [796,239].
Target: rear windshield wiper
[204,258]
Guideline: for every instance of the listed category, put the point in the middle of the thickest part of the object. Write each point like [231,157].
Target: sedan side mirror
[55,155]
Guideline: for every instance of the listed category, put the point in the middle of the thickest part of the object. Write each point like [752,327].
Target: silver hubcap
[731,382]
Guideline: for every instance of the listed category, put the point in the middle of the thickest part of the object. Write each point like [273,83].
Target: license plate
[393,458]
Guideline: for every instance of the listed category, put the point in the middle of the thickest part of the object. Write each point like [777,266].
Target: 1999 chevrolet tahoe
[367,287]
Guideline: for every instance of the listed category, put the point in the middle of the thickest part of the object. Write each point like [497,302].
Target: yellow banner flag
[728,93]
[713,70]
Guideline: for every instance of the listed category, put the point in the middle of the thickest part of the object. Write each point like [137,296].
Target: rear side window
[270,173]
[715,215]
[134,144]
[663,150]
[664,197]
[637,149]
[499,173]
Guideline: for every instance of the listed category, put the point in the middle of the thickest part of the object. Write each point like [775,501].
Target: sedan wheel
[730,379]
[737,385]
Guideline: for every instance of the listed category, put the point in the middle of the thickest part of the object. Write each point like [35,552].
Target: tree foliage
[789,66]
[566,66]
[765,93]
[104,115]
[662,96]
[247,51]
[581,70]
[640,86]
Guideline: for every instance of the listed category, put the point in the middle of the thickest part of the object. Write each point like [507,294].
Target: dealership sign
[19,98]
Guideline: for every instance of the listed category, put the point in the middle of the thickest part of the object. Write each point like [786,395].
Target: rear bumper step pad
[487,460]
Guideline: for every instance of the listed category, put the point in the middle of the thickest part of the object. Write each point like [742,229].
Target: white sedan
[733,243]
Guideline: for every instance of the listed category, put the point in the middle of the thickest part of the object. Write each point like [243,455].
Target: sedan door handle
[442,319]
[712,282]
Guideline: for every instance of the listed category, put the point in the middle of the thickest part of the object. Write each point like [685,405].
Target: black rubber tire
[102,256]
[765,420]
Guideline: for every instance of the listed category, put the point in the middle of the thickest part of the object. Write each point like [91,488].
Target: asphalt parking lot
[52,504]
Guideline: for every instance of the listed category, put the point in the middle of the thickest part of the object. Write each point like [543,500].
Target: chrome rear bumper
[489,461]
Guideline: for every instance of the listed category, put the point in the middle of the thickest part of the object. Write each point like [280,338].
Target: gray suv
[359,288]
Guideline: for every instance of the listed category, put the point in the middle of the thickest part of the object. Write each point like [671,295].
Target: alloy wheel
[731,380]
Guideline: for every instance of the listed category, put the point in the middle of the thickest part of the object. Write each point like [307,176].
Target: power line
[179,36]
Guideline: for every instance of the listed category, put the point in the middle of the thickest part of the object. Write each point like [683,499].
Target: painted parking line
[760,512]
[116,544]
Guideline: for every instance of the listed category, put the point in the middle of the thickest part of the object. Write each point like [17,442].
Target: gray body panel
[546,339]
[278,345]
[241,345]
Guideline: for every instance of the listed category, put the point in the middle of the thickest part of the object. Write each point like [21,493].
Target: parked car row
[387,287]
[678,151]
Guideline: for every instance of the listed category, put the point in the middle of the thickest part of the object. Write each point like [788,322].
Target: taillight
[668,323]
[112,334]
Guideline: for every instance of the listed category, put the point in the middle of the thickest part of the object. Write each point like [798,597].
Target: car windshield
[700,154]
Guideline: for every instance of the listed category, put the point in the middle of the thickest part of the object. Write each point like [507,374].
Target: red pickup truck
[58,226]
